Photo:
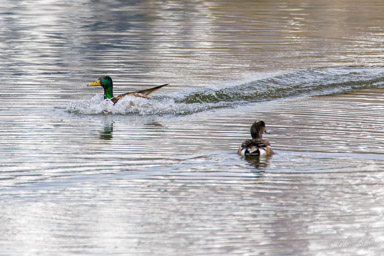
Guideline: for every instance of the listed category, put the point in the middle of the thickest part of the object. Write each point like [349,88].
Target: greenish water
[81,176]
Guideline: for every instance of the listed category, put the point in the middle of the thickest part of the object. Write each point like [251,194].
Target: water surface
[81,176]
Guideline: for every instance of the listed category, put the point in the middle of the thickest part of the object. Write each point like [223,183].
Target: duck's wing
[245,144]
[147,92]
[264,143]
[260,143]
[136,94]
[140,93]
[253,147]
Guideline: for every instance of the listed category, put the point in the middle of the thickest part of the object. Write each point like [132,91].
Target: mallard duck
[107,84]
[256,146]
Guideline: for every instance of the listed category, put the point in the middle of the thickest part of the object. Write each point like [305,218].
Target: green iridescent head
[106,83]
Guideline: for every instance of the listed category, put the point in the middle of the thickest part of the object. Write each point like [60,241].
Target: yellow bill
[96,83]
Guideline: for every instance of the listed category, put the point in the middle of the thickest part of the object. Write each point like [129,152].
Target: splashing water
[295,84]
[136,105]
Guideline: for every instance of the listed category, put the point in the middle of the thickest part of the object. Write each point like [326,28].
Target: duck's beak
[96,83]
[267,132]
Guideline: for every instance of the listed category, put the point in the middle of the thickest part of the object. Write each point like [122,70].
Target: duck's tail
[147,92]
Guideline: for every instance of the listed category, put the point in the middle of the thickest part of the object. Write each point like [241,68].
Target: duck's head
[106,83]
[257,129]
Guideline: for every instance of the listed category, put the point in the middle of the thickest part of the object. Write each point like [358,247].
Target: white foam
[135,105]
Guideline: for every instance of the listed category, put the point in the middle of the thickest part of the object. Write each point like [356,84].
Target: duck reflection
[106,134]
[259,162]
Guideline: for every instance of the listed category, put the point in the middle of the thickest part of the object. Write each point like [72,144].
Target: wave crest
[295,84]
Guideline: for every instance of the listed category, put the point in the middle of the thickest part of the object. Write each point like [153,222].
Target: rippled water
[81,176]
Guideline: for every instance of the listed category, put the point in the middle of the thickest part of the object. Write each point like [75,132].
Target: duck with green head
[107,84]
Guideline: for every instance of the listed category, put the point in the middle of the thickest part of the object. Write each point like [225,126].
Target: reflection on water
[162,177]
[258,162]
[106,134]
